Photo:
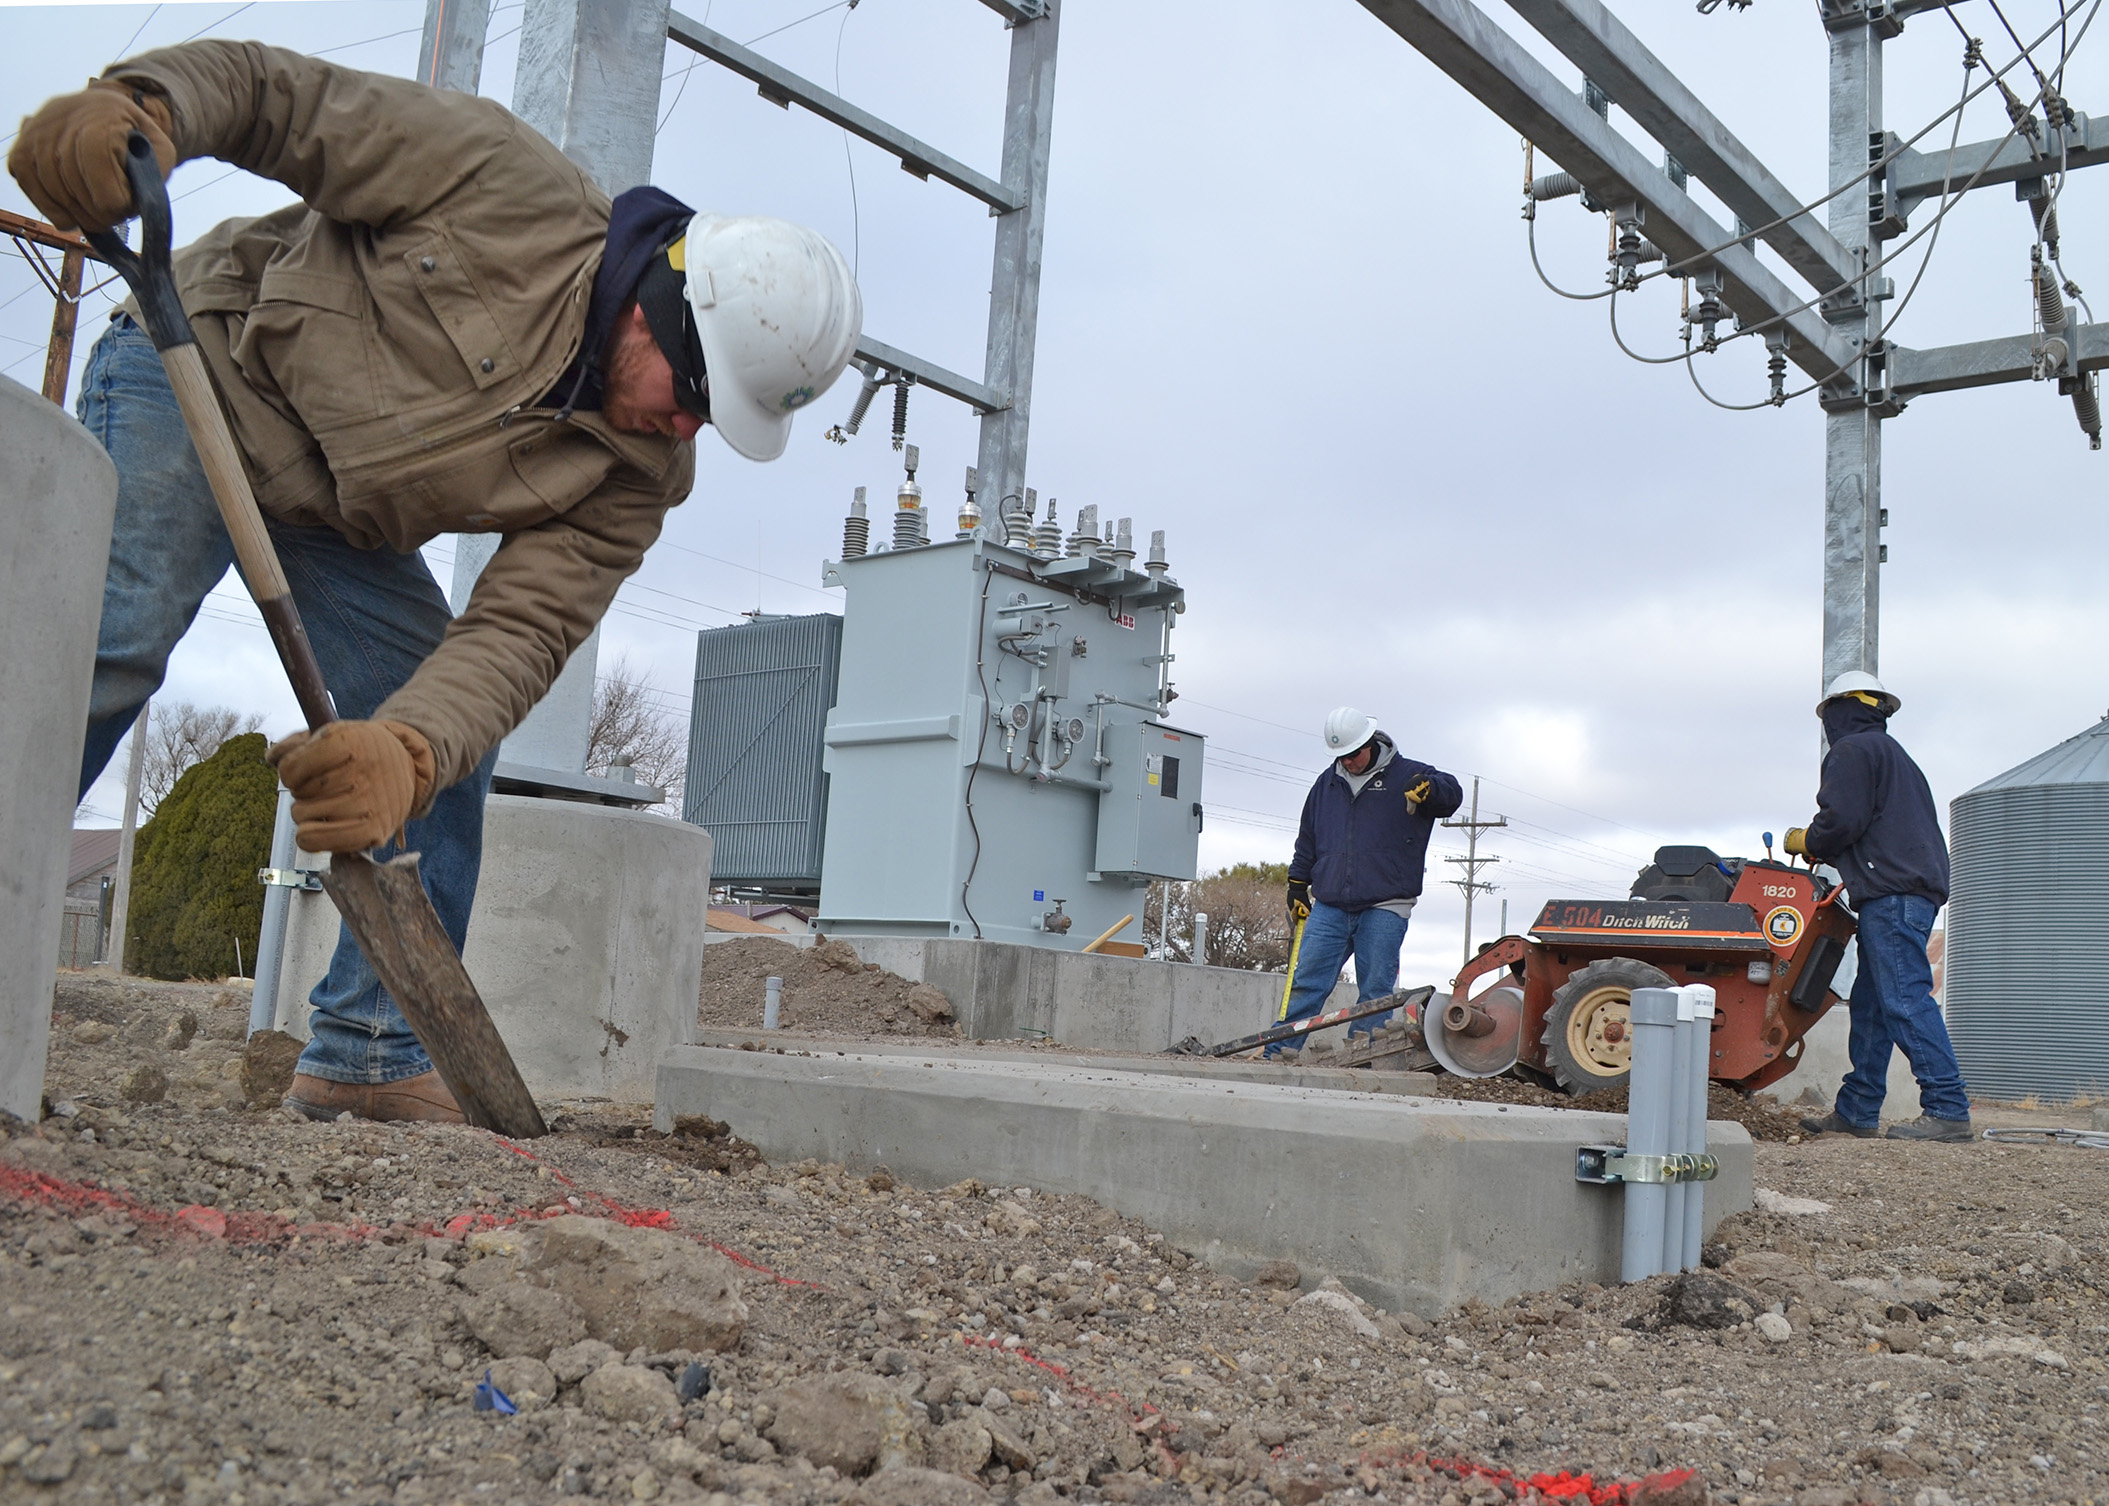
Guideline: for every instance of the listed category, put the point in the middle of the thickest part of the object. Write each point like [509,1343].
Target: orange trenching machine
[1766,936]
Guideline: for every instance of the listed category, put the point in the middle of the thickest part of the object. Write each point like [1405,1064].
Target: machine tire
[1576,1054]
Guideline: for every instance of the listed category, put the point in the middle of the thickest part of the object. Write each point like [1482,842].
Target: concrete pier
[1416,1204]
[586,942]
[58,494]
[1004,990]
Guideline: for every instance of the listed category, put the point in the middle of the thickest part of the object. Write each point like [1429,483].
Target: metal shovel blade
[388,911]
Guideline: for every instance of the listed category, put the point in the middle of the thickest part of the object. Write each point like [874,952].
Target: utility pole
[121,903]
[1472,862]
[1834,332]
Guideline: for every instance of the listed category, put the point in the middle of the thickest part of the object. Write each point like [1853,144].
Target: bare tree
[1248,923]
[181,735]
[631,723]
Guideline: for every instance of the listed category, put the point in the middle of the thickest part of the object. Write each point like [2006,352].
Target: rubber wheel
[1588,1031]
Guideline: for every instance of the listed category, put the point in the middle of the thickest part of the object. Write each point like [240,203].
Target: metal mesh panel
[763,692]
[2027,968]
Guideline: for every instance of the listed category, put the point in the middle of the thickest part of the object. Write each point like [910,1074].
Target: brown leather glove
[354,784]
[70,155]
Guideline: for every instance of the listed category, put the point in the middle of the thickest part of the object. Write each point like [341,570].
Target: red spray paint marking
[654,1218]
[83,1199]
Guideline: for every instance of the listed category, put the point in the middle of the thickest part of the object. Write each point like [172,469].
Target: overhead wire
[1881,164]
[1932,227]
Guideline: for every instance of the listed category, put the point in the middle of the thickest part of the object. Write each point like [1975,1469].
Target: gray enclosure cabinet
[998,764]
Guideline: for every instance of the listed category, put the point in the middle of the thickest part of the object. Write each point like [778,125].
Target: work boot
[1831,1124]
[421,1097]
[1926,1127]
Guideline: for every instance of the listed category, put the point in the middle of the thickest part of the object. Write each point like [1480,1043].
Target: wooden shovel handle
[149,275]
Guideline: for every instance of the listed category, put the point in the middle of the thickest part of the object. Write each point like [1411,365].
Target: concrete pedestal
[586,942]
[58,493]
[1415,1203]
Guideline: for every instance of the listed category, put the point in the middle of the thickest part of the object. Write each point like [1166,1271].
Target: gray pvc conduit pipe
[1697,1073]
[278,903]
[1672,1255]
[1654,1021]
[772,1001]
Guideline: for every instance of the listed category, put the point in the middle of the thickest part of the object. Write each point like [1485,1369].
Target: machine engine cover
[1488,1054]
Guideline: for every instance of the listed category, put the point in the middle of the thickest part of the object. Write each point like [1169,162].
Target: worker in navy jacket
[1877,825]
[1361,852]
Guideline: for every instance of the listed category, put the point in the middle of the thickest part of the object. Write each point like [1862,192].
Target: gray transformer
[998,763]
[2028,925]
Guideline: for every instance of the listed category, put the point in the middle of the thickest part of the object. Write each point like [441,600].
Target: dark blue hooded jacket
[1876,822]
[1361,850]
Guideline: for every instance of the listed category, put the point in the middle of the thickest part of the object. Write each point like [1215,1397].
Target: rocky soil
[205,1302]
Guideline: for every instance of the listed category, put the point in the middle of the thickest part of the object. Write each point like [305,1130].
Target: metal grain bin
[2028,925]
[763,692]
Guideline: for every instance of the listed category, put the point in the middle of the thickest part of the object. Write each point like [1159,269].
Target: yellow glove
[1417,794]
[1796,841]
[70,155]
[354,784]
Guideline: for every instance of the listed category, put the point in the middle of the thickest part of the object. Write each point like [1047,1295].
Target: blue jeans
[373,617]
[1374,937]
[1892,1007]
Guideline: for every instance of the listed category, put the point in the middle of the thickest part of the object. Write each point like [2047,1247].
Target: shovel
[384,904]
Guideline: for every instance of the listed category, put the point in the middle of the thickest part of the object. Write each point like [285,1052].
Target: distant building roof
[94,849]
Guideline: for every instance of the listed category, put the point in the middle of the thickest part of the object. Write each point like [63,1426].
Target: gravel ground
[205,1302]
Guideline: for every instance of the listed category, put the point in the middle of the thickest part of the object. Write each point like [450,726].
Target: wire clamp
[291,878]
[1605,1164]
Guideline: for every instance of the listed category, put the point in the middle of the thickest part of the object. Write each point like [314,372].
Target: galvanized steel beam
[451,55]
[976,395]
[1852,510]
[1916,176]
[1611,57]
[1987,363]
[589,80]
[1015,11]
[1014,280]
[1492,66]
[779,85]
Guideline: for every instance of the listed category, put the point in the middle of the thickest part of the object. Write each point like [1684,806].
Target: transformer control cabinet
[1149,818]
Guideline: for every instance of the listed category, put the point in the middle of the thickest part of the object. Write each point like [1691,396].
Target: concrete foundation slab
[586,942]
[58,493]
[1344,1079]
[1003,990]
[1414,1203]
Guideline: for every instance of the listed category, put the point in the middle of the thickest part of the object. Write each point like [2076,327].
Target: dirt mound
[1764,1121]
[827,991]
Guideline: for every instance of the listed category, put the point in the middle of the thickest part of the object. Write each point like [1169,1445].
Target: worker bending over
[1361,854]
[454,332]
[1876,824]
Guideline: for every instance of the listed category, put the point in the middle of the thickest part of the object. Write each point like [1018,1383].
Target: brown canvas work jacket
[379,349]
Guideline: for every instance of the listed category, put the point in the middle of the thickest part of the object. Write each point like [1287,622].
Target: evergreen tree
[194,888]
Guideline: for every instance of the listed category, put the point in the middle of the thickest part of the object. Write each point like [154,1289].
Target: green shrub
[194,888]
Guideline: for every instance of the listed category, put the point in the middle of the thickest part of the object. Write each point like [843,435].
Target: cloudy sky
[1288,315]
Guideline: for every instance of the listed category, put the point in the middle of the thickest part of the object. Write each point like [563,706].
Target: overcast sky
[1288,316]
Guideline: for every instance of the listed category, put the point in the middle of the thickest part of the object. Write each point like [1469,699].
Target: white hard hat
[1347,729]
[777,313]
[1858,680]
